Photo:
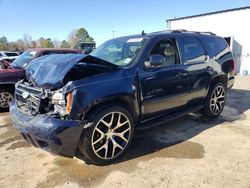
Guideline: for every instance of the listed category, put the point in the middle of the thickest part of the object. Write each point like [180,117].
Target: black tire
[6,96]
[212,107]
[87,144]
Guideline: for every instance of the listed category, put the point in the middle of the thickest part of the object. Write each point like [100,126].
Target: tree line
[74,39]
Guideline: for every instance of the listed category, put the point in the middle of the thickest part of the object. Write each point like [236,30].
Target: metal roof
[210,13]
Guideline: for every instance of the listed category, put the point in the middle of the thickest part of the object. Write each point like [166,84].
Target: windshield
[22,61]
[121,51]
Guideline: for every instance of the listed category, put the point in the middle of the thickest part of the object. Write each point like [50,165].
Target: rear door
[198,64]
[167,86]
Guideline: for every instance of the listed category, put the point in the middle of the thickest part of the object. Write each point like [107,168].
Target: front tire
[6,96]
[215,101]
[109,137]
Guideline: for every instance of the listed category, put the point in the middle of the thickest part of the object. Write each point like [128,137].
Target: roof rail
[208,32]
[179,31]
[162,31]
[196,32]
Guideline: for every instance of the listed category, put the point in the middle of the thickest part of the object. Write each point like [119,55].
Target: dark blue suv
[91,104]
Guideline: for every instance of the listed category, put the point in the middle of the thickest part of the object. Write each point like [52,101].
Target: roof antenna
[143,33]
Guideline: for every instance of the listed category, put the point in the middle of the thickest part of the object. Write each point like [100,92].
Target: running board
[169,117]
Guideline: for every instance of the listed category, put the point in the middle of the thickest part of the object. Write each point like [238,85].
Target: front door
[164,87]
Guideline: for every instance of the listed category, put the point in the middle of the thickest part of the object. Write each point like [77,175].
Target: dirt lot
[188,152]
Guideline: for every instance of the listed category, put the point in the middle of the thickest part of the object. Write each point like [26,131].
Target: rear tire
[215,101]
[109,137]
[6,96]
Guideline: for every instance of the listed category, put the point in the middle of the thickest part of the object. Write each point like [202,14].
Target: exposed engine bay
[44,92]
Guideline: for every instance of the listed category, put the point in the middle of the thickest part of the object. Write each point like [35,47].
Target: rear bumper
[57,136]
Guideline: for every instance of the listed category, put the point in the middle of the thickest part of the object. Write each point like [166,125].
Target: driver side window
[167,49]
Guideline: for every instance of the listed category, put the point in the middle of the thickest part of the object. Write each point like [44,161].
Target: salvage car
[91,104]
[11,73]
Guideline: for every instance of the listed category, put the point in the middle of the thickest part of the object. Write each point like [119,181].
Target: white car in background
[8,54]
[6,58]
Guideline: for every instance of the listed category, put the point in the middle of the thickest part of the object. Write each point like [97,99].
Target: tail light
[69,103]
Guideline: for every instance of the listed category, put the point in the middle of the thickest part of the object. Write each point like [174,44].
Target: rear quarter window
[215,45]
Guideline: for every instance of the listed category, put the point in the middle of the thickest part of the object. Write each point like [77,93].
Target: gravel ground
[188,152]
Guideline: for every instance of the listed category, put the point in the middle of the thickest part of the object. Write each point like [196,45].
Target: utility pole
[113,34]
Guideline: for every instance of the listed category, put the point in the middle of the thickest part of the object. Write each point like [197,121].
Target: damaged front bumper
[57,136]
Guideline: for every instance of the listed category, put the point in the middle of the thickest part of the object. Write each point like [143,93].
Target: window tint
[216,45]
[168,50]
[192,50]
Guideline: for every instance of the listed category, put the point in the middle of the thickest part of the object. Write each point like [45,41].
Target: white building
[233,24]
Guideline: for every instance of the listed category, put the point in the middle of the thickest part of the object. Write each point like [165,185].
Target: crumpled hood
[49,71]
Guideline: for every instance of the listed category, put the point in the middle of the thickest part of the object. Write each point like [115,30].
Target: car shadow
[148,143]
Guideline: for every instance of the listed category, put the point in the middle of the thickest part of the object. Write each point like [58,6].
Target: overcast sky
[56,18]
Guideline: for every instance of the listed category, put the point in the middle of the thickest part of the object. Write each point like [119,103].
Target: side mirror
[155,60]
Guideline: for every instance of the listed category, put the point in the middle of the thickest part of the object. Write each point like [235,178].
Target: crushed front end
[42,117]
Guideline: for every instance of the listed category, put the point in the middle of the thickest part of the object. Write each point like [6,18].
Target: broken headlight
[58,98]
[62,102]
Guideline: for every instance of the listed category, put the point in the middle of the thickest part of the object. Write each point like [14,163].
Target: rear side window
[192,50]
[216,45]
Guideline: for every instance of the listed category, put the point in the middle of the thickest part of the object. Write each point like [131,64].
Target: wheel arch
[9,85]
[126,101]
[221,78]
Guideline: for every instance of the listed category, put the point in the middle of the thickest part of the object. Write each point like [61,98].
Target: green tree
[41,42]
[83,36]
[65,44]
[79,36]
[46,43]
[3,43]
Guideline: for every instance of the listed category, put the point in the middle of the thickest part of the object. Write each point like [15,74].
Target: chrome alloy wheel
[5,99]
[217,101]
[111,135]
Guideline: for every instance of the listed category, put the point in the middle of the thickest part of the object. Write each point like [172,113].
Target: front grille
[29,99]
